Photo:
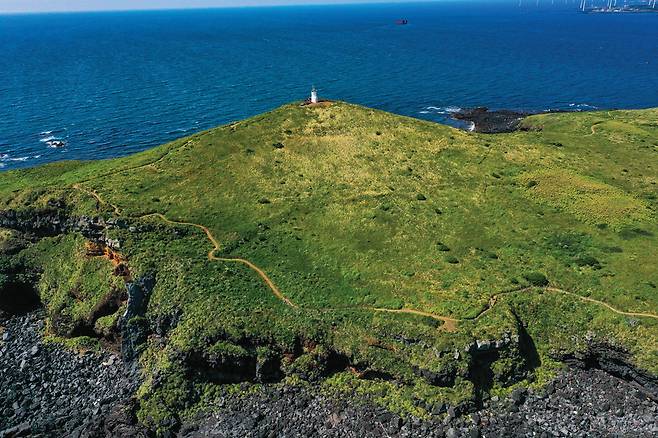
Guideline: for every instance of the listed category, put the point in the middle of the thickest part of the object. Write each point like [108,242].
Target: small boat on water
[402,22]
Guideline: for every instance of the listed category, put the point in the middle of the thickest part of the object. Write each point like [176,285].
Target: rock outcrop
[578,403]
[48,390]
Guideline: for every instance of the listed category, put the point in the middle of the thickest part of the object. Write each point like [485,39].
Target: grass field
[353,214]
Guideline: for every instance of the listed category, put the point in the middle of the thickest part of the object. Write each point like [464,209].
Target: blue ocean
[98,85]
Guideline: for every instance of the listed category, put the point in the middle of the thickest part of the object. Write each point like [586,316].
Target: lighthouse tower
[314,95]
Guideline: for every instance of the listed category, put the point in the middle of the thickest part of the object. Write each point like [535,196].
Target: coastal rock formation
[53,391]
[614,361]
[51,222]
[580,403]
[491,122]
[49,390]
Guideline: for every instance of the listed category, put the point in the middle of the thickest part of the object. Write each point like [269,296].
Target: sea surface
[98,85]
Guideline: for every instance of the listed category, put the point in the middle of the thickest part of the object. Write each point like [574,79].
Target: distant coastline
[644,9]
[486,121]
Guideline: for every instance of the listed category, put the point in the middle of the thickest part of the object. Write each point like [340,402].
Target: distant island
[623,10]
[611,7]
[330,269]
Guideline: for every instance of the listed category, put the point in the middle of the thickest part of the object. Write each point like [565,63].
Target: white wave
[7,157]
[424,112]
[471,127]
[442,110]
[452,109]
[46,133]
[49,138]
[583,106]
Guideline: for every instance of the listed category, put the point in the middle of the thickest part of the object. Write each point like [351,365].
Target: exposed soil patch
[320,103]
[100,249]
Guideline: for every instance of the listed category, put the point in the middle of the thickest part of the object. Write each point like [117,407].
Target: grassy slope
[363,209]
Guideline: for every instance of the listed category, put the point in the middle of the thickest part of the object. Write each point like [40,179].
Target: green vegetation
[72,291]
[590,200]
[390,236]
[536,279]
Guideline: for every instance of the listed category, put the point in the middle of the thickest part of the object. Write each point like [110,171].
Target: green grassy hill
[363,249]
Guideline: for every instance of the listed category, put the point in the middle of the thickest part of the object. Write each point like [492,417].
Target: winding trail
[600,122]
[211,254]
[494,300]
[449,323]
[601,303]
[216,247]
[98,199]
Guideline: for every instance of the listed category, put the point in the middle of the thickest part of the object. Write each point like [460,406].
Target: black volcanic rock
[589,402]
[46,390]
[50,391]
[492,122]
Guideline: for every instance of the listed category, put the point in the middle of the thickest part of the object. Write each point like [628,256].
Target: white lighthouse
[314,95]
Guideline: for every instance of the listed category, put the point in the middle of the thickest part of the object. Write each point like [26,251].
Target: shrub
[570,244]
[442,247]
[628,233]
[536,279]
[278,145]
[452,260]
[420,197]
[264,201]
[588,260]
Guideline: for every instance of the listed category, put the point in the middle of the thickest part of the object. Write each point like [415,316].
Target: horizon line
[250,6]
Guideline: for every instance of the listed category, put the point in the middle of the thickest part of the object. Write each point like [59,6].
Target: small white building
[314,95]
